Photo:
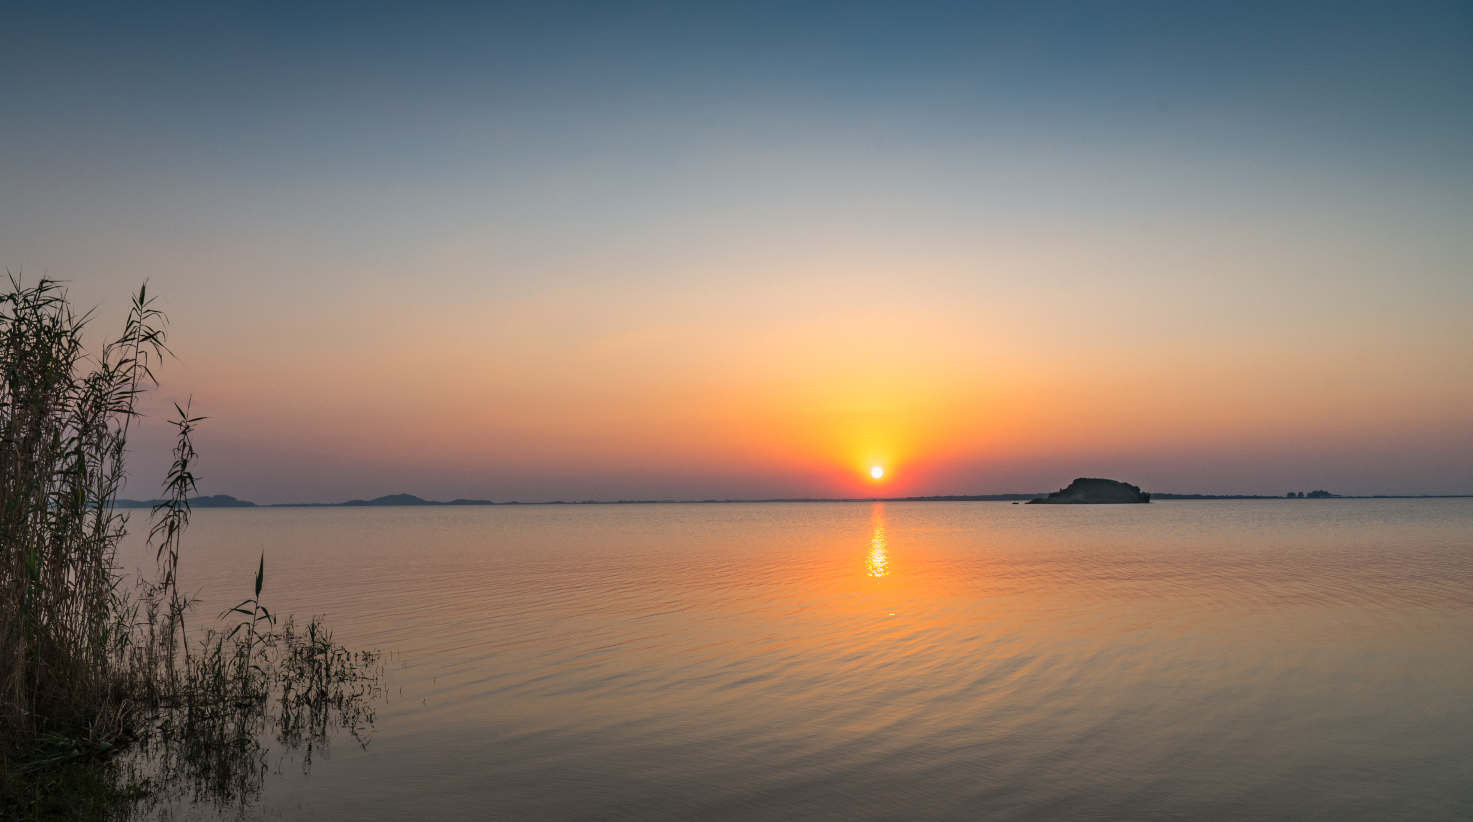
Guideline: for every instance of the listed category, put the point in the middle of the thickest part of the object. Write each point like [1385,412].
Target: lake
[1217,660]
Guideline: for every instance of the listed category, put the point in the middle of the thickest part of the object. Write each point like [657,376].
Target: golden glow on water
[967,653]
[878,562]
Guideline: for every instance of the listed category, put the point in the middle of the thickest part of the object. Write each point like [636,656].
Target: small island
[1094,491]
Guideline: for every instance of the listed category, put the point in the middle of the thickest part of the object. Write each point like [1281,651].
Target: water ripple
[1215,660]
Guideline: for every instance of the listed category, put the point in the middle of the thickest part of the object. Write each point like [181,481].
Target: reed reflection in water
[1222,660]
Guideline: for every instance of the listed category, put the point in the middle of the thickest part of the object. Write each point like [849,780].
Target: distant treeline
[1159,495]
[1310,495]
[226,501]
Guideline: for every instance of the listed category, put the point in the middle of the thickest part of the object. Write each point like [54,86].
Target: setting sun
[877,472]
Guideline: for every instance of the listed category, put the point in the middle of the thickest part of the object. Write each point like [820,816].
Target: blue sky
[278,90]
[512,191]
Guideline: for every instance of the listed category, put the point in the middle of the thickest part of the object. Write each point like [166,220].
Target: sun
[877,472]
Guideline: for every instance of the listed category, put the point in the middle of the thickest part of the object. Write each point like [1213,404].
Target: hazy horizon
[579,252]
[461,500]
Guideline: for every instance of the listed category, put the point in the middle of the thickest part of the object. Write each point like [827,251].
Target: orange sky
[1005,254]
[798,386]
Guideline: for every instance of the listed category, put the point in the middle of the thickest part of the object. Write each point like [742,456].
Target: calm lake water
[879,661]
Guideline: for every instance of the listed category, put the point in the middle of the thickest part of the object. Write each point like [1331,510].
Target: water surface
[880,661]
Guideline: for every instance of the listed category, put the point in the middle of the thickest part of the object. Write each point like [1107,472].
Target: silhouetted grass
[64,628]
[89,670]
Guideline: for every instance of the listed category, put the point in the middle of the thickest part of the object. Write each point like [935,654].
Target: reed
[88,668]
[64,419]
[245,687]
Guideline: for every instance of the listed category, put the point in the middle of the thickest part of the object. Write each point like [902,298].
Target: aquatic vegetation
[65,628]
[206,742]
[89,669]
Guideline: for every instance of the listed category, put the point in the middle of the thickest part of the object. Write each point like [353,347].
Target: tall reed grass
[87,667]
[64,420]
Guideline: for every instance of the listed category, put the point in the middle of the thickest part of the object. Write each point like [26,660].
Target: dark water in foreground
[898,661]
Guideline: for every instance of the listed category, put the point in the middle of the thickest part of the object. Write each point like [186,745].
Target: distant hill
[388,501]
[410,499]
[1094,491]
[217,501]
[392,499]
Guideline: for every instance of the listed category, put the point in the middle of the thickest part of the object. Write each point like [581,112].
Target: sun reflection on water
[878,562]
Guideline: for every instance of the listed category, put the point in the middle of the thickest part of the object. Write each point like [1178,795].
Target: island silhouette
[1094,491]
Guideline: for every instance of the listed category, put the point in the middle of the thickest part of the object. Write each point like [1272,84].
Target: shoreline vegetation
[108,705]
[401,500]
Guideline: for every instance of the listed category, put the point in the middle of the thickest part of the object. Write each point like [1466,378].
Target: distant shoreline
[1190,497]
[409,501]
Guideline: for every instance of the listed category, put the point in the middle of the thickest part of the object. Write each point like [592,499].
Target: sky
[685,251]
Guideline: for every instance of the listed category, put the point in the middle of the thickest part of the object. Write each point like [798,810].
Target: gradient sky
[603,251]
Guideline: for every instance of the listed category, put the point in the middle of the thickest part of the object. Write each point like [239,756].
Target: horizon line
[411,501]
